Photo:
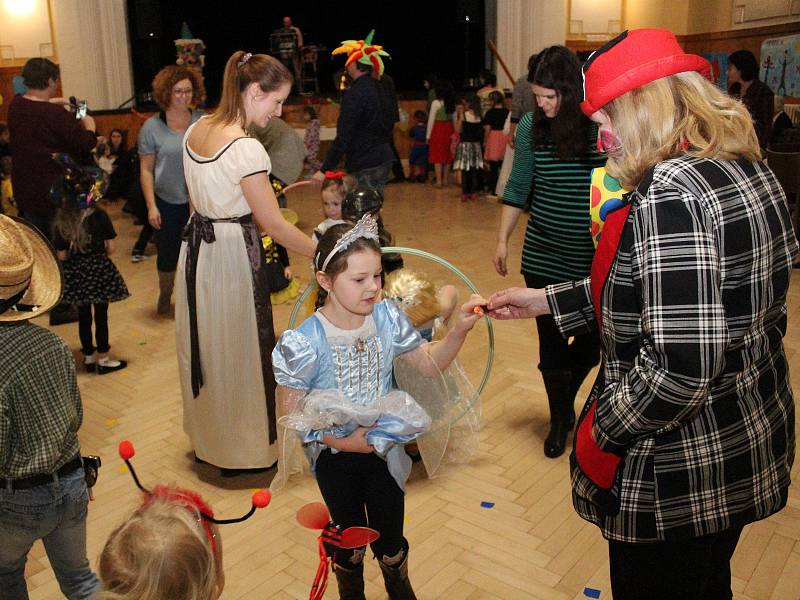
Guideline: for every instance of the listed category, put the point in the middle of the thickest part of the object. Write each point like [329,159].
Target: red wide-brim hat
[631,60]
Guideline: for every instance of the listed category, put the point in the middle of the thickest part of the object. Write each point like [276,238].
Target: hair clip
[245,58]
[190,499]
[337,175]
[366,227]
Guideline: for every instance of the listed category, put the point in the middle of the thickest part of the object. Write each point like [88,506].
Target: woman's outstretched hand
[518,303]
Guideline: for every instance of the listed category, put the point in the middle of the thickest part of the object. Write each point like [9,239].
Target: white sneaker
[135,258]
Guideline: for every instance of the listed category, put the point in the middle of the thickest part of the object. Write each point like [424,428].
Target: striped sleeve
[520,182]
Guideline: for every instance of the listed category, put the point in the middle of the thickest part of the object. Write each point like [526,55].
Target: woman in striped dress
[555,153]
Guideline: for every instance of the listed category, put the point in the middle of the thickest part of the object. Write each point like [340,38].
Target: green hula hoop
[439,261]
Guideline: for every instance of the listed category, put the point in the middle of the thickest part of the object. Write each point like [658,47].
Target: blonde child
[334,189]
[165,550]
[338,366]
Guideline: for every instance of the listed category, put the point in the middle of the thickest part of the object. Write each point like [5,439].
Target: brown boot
[395,578]
[351,582]
[166,280]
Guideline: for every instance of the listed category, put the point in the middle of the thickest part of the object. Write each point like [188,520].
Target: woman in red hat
[688,434]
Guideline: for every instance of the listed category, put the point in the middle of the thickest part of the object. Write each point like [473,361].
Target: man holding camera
[43,483]
[39,127]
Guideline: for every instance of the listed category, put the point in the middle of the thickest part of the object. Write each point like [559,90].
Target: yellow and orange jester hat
[363,51]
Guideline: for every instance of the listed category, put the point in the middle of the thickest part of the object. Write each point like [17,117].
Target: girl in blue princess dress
[334,376]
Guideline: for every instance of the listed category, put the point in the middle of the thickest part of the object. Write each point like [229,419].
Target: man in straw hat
[43,492]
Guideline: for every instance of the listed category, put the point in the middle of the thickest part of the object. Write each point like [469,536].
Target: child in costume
[164,550]
[494,139]
[334,188]
[170,547]
[282,286]
[368,201]
[469,152]
[83,237]
[334,377]
[418,159]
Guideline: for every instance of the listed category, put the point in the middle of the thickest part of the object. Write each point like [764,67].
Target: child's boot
[351,582]
[395,578]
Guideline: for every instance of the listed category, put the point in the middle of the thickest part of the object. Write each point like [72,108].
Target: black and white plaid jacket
[695,384]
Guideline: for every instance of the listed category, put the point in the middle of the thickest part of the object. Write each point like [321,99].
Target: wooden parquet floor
[531,544]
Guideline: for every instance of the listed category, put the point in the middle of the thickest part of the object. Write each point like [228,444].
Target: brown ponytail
[241,70]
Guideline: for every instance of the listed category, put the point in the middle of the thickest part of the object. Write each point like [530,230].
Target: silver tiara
[366,227]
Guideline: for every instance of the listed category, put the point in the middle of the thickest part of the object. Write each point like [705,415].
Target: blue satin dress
[304,359]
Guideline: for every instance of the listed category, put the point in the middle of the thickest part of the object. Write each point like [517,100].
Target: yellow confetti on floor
[111,422]
[122,468]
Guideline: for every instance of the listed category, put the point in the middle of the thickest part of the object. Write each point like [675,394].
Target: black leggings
[359,490]
[493,175]
[693,569]
[100,328]
[555,351]
[471,181]
[169,237]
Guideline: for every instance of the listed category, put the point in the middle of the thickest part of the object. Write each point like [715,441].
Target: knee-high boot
[558,384]
[351,582]
[395,578]
[166,280]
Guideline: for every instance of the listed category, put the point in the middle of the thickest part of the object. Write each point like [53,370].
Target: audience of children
[494,140]
[469,152]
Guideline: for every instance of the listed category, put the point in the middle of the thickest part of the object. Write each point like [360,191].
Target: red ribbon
[334,174]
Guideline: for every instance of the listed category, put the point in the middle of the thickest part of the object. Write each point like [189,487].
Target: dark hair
[473,103]
[364,67]
[420,114]
[266,71]
[533,62]
[123,145]
[557,68]
[496,97]
[447,94]
[166,79]
[38,72]
[488,77]
[338,262]
[746,63]
[3,127]
[309,110]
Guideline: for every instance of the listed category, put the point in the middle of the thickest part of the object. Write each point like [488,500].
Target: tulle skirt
[495,145]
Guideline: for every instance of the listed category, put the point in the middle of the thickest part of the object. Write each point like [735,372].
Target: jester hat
[363,51]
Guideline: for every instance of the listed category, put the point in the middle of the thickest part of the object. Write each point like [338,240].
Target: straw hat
[29,266]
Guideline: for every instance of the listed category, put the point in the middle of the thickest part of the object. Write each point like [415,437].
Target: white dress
[229,416]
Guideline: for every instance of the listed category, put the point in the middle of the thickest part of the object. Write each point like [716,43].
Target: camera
[80,109]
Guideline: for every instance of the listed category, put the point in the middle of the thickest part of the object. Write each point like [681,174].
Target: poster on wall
[780,65]
[719,68]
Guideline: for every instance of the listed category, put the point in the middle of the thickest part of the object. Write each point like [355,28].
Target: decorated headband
[336,175]
[366,227]
[192,501]
[363,51]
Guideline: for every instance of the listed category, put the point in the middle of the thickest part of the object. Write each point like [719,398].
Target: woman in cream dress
[223,314]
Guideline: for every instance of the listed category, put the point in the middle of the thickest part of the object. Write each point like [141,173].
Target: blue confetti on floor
[591,592]
[487,504]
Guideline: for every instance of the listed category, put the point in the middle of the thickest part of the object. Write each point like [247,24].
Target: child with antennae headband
[170,547]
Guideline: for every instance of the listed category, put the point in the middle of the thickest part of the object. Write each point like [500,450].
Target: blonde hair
[161,552]
[415,295]
[657,121]
[241,70]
